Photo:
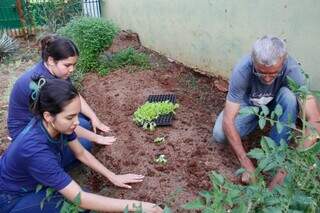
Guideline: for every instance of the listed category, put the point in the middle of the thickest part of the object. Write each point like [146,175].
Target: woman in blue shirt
[36,155]
[59,57]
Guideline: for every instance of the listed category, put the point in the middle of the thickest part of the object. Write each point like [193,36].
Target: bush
[54,14]
[126,57]
[92,36]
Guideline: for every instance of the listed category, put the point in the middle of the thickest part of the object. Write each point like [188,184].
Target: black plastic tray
[158,98]
[164,120]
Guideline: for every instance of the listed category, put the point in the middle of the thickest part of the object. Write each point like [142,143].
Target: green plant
[92,36]
[65,205]
[161,159]
[54,13]
[8,46]
[300,191]
[159,140]
[148,112]
[123,58]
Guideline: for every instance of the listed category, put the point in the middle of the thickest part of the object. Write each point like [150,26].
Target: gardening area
[184,169]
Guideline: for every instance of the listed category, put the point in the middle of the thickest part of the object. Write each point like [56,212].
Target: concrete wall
[213,34]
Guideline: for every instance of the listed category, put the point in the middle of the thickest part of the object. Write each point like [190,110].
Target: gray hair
[268,50]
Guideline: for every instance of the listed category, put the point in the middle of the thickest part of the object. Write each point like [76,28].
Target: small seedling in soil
[159,140]
[161,159]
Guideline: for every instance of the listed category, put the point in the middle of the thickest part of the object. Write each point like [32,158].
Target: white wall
[213,34]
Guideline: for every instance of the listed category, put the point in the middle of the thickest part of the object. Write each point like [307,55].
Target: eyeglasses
[263,75]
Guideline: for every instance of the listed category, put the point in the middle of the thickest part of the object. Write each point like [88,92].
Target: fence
[21,17]
[92,8]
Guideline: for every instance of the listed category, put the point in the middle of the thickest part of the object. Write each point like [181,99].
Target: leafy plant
[8,46]
[161,159]
[123,58]
[92,36]
[67,206]
[159,140]
[72,207]
[148,112]
[55,13]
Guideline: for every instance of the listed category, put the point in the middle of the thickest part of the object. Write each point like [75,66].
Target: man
[261,79]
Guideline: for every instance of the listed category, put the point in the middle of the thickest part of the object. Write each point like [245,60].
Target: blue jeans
[245,124]
[30,202]
[69,160]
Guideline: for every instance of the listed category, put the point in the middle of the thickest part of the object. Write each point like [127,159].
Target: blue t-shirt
[246,88]
[34,158]
[19,114]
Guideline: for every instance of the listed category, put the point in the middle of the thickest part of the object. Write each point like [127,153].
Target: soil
[188,146]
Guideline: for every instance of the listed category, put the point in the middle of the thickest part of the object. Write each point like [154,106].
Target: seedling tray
[164,120]
[159,98]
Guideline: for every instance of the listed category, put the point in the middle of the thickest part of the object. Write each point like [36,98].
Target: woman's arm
[96,123]
[100,203]
[87,158]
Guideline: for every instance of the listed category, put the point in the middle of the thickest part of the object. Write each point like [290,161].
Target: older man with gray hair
[261,79]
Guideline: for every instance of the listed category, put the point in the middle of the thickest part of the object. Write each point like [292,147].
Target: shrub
[8,46]
[125,57]
[92,36]
[54,14]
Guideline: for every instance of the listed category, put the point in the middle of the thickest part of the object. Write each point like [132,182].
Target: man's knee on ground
[218,134]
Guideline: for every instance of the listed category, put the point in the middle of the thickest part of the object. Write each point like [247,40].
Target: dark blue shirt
[19,114]
[34,158]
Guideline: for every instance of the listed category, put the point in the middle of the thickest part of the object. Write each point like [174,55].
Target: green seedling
[149,112]
[159,140]
[161,159]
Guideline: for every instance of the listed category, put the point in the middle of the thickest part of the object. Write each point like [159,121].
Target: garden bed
[187,145]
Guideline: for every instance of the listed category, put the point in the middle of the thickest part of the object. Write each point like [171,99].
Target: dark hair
[57,47]
[50,95]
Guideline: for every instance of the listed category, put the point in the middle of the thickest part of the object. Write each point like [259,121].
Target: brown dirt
[190,154]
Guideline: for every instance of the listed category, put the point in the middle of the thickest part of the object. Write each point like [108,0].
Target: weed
[159,140]
[161,159]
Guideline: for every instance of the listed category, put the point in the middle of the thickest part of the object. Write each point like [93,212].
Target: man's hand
[248,176]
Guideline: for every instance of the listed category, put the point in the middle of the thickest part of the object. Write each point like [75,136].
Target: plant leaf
[279,127]
[195,204]
[278,110]
[265,110]
[217,178]
[256,153]
[262,122]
